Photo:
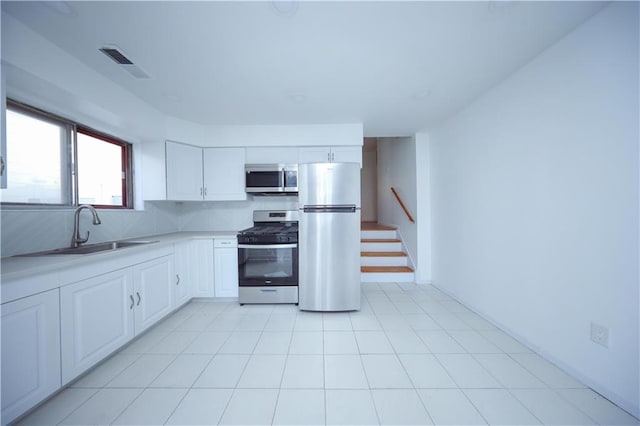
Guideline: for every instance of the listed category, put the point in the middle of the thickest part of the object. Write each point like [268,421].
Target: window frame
[126,166]
[70,168]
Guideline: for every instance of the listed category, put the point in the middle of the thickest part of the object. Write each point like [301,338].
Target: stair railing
[406,210]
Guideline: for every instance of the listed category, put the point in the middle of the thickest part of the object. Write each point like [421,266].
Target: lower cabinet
[96,319]
[31,352]
[100,314]
[201,255]
[153,288]
[183,276]
[226,267]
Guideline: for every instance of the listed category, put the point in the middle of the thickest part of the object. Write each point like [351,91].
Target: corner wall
[397,168]
[535,198]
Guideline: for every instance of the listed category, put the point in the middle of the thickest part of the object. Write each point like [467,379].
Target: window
[103,168]
[52,161]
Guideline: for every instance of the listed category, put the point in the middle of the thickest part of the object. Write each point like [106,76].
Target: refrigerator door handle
[351,208]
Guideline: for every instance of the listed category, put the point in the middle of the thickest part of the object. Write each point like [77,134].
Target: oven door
[268,265]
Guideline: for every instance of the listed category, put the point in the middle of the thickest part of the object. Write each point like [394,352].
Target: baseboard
[628,406]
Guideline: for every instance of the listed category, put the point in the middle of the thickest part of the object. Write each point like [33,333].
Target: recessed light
[421,94]
[285,8]
[497,5]
[172,97]
[60,7]
[298,98]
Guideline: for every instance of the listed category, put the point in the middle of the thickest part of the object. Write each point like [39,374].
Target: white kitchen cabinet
[226,267]
[182,284]
[184,172]
[202,279]
[330,154]
[96,318]
[153,288]
[100,314]
[30,352]
[271,155]
[210,174]
[224,174]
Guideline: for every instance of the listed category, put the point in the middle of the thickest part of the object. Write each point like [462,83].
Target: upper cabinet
[224,174]
[272,155]
[196,174]
[330,154]
[184,172]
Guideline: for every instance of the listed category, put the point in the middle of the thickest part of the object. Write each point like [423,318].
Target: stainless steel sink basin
[91,248]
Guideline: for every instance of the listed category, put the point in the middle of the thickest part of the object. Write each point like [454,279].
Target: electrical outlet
[600,334]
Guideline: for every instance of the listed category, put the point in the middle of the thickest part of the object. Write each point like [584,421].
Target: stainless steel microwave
[271,179]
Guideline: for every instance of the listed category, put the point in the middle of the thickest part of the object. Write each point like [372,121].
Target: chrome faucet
[76,240]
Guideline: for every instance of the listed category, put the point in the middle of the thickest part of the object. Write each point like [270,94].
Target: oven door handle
[267,246]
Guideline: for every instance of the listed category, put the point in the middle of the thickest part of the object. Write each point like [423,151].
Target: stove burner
[270,233]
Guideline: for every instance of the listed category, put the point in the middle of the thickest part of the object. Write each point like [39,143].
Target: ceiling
[397,67]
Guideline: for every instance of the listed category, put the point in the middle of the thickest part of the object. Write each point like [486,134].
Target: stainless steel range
[268,258]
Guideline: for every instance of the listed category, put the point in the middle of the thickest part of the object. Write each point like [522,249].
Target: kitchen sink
[91,248]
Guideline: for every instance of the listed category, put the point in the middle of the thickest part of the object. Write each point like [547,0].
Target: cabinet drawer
[225,242]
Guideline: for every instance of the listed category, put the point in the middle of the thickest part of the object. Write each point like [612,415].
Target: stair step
[383,254]
[380,240]
[369,234]
[373,226]
[390,269]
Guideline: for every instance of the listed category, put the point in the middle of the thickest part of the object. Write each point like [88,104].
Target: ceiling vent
[121,59]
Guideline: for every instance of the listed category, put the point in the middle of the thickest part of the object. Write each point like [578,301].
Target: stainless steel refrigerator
[329,236]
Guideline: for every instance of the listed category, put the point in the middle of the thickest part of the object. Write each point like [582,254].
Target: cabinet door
[224,174]
[96,319]
[346,154]
[271,155]
[202,268]
[226,272]
[30,352]
[184,172]
[181,287]
[153,291]
[314,154]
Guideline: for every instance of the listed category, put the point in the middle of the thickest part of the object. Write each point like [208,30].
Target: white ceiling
[398,67]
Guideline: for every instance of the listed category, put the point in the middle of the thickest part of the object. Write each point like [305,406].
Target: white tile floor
[412,355]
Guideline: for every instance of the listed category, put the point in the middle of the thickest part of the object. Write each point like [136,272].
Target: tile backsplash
[26,231]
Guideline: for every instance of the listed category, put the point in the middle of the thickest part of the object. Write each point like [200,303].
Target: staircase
[382,255]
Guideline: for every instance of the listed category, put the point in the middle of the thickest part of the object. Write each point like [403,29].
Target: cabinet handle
[328,156]
[1,166]
[205,192]
[201,191]
[139,299]
[131,296]
[177,279]
[333,156]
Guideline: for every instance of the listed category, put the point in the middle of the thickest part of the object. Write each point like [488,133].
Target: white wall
[423,209]
[535,203]
[369,181]
[396,168]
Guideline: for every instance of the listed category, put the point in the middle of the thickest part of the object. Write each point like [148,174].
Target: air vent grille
[116,55]
[120,58]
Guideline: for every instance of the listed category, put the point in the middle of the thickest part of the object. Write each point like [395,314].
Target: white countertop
[18,267]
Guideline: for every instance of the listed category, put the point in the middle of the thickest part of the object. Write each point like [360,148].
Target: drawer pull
[131,296]
[139,299]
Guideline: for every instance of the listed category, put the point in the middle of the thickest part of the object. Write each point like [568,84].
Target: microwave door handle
[284,179]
